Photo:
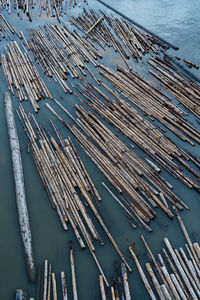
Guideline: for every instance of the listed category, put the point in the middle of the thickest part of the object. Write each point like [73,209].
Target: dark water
[176,21]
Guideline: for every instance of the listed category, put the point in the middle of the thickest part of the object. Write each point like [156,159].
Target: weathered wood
[24,222]
[73,273]
[102,289]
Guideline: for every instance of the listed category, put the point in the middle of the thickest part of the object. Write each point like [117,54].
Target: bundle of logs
[175,274]
[176,83]
[6,30]
[22,75]
[131,123]
[63,173]
[59,51]
[123,169]
[124,37]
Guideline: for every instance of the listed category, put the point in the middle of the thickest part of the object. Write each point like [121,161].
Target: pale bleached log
[180,268]
[64,286]
[102,288]
[125,282]
[19,187]
[165,292]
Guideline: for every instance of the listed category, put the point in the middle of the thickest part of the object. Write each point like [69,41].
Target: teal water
[176,21]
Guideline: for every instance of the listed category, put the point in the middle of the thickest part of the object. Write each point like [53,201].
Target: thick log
[19,187]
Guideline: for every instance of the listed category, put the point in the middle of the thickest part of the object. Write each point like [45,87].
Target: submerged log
[19,187]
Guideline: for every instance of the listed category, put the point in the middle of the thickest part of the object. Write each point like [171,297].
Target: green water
[177,22]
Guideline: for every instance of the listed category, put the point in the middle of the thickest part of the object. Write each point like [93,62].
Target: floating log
[53,276]
[102,289]
[125,282]
[22,75]
[64,286]
[142,275]
[95,24]
[19,187]
[74,286]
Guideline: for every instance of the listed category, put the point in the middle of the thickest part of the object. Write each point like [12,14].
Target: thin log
[102,288]
[74,286]
[95,24]
[142,275]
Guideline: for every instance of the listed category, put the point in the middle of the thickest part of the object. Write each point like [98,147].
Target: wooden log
[102,289]
[74,286]
[54,286]
[165,292]
[142,275]
[155,281]
[125,282]
[19,187]
[64,286]
[186,235]
[45,279]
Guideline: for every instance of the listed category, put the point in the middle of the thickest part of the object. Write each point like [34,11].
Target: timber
[19,187]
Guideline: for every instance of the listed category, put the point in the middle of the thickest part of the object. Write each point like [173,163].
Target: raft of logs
[22,76]
[23,215]
[123,168]
[176,83]
[174,273]
[62,173]
[137,128]
[62,53]
[126,39]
